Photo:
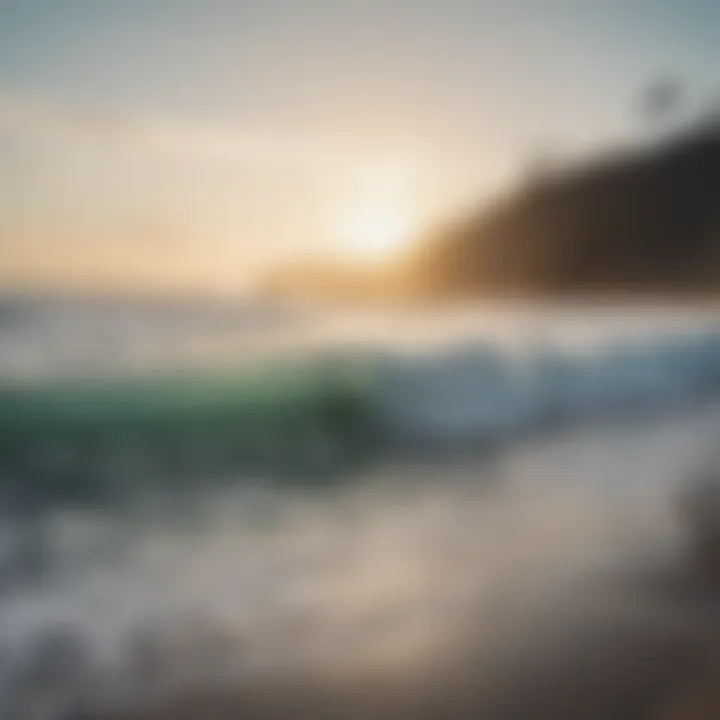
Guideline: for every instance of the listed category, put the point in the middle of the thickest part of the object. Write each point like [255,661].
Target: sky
[193,143]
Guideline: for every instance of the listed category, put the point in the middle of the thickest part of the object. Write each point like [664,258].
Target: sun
[378,232]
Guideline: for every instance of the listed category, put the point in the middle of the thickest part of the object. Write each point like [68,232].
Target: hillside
[647,222]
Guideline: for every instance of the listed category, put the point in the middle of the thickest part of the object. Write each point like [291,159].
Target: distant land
[645,221]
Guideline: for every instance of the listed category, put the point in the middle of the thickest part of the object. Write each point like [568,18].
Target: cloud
[169,138]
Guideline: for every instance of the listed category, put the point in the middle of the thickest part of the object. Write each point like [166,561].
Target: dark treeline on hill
[645,222]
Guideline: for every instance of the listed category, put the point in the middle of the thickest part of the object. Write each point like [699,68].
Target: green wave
[87,437]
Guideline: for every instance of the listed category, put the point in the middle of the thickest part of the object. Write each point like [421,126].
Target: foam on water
[479,391]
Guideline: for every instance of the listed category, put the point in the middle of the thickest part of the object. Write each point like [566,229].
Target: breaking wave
[319,418]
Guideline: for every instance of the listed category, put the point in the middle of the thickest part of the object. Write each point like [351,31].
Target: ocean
[281,510]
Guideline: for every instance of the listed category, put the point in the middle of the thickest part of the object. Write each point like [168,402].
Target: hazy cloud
[223,143]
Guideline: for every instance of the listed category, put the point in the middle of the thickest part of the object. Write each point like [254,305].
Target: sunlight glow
[378,232]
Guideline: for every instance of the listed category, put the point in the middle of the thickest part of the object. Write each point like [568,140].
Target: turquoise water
[291,421]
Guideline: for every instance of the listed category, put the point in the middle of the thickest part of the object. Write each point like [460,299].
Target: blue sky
[210,137]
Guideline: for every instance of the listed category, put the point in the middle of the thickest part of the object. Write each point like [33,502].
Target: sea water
[222,502]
